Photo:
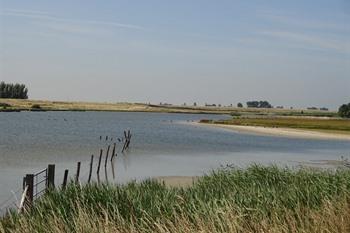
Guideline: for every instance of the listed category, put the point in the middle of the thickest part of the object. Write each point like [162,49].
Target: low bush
[36,106]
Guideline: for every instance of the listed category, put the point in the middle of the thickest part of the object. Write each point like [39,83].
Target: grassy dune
[323,125]
[257,199]
[17,104]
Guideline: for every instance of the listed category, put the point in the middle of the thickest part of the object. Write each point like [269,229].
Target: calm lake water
[162,145]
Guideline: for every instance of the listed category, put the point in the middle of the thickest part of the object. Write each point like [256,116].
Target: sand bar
[282,132]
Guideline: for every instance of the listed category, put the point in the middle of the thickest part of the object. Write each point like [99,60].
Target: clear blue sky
[292,53]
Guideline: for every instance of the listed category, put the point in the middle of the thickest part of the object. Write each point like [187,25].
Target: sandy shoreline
[281,132]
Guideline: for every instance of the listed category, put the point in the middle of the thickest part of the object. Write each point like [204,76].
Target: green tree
[15,91]
[240,105]
[2,90]
[344,110]
[259,104]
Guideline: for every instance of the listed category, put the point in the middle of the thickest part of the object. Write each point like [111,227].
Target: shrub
[205,121]
[344,110]
[5,105]
[36,106]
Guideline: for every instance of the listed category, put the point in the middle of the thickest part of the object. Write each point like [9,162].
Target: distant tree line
[315,108]
[258,104]
[344,111]
[13,91]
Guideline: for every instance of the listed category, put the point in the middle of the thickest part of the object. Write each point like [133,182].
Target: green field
[318,124]
[256,199]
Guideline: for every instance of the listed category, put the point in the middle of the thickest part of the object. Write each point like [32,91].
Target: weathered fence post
[98,167]
[50,182]
[113,151]
[23,197]
[90,172]
[107,154]
[29,180]
[129,138]
[125,141]
[65,178]
[112,161]
[78,173]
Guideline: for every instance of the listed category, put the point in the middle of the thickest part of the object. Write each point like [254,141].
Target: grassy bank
[257,199]
[320,124]
[27,105]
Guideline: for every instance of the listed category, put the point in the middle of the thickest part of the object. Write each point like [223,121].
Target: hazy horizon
[223,52]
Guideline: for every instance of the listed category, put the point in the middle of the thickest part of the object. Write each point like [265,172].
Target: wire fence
[35,185]
[40,183]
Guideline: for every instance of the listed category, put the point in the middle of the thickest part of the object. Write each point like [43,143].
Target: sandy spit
[282,132]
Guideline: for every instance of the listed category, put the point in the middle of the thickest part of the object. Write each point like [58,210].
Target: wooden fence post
[78,173]
[113,151]
[107,154]
[50,182]
[65,178]
[90,172]
[125,141]
[112,161]
[98,167]
[28,201]
[129,138]
[23,197]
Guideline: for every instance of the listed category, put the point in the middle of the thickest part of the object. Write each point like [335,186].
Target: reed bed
[256,199]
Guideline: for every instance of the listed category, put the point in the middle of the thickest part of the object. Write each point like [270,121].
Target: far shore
[15,105]
[281,132]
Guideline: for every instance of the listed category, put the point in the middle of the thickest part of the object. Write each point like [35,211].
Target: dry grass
[73,106]
[330,218]
[140,107]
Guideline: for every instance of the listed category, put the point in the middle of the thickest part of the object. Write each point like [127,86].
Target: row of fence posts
[29,184]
